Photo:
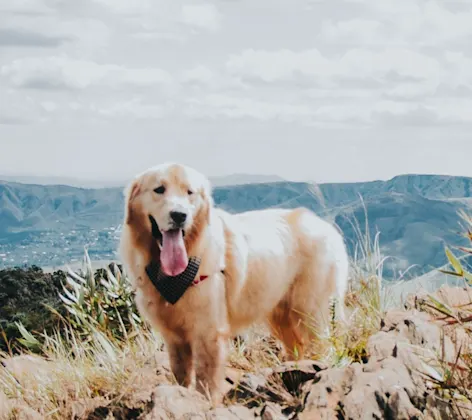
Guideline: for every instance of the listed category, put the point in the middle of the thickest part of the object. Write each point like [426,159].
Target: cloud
[134,109]
[61,72]
[362,31]
[391,113]
[22,38]
[356,64]
[203,16]
[127,7]
[199,75]
[55,30]
[233,107]
[49,106]
[354,86]
[7,120]
[168,17]
[402,22]
[35,7]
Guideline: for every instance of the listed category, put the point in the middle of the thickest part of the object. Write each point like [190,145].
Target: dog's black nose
[178,217]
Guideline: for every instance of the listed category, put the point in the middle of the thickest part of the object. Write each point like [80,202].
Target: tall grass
[367,299]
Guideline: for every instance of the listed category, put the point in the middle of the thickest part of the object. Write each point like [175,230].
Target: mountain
[60,180]
[233,179]
[241,179]
[416,215]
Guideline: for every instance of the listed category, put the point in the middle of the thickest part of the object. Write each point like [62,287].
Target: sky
[326,91]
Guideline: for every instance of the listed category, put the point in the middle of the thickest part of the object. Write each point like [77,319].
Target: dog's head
[171,203]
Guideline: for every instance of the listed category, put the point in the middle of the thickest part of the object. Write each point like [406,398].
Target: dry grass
[75,372]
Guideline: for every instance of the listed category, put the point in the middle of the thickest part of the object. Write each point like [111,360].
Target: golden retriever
[279,266]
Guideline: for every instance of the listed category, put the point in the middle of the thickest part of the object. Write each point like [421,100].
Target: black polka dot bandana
[172,288]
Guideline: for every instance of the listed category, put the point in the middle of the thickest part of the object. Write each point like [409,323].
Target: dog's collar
[172,288]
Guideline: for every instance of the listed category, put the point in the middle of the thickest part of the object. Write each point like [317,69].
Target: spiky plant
[106,302]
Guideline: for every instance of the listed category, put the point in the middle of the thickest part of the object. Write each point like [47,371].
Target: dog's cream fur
[280,267]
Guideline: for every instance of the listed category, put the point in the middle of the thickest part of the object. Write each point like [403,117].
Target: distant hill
[416,215]
[233,179]
[60,180]
[241,179]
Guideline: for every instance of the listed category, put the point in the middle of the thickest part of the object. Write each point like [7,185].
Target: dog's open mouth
[174,259]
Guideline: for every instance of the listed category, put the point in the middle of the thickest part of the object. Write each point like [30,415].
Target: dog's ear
[131,192]
[206,193]
[206,189]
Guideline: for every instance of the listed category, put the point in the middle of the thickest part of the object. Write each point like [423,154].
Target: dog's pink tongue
[174,258]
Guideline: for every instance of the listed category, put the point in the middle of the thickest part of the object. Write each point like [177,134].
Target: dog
[277,266]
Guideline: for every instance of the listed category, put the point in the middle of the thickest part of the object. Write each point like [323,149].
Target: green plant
[104,300]
[457,264]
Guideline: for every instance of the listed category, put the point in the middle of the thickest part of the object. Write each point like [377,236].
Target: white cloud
[82,33]
[64,73]
[129,7]
[198,75]
[273,66]
[359,30]
[219,69]
[26,6]
[171,14]
[134,109]
[203,16]
[49,106]
[212,106]
[405,22]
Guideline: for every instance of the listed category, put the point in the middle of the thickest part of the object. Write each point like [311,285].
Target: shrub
[102,301]
[24,295]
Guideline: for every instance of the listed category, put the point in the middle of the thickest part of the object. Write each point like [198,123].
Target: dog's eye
[189,192]
[160,190]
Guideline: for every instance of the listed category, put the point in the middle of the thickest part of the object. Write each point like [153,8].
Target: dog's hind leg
[287,325]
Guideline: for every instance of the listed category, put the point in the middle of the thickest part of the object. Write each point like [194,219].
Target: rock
[272,411]
[282,384]
[392,318]
[417,359]
[27,367]
[323,398]
[454,296]
[422,332]
[416,328]
[176,402]
[236,412]
[295,374]
[378,389]
[162,360]
[253,390]
[437,408]
[461,338]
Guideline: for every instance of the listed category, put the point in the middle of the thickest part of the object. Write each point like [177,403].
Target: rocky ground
[406,360]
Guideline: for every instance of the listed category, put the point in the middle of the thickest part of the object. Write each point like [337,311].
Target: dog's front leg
[210,355]
[181,362]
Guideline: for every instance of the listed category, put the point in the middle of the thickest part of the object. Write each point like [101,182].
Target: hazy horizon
[327,91]
[120,182]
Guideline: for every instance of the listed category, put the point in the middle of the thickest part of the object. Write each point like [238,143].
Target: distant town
[54,249]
